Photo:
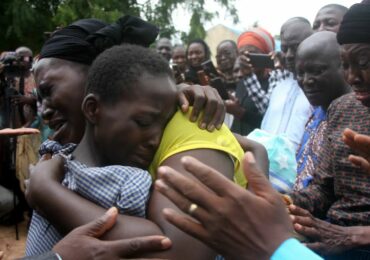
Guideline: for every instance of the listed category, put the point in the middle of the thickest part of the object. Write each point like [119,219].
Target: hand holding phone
[209,69]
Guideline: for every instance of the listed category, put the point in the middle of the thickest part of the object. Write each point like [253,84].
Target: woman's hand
[327,238]
[233,221]
[279,60]
[203,99]
[361,144]
[245,62]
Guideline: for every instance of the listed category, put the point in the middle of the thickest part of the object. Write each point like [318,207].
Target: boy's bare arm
[183,245]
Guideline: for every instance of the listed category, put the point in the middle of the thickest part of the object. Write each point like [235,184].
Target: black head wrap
[355,26]
[85,39]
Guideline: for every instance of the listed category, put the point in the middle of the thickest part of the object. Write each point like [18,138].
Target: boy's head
[130,97]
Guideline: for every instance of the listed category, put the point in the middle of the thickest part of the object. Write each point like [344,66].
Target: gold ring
[193,207]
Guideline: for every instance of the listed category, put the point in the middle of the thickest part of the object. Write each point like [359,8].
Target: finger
[184,191]
[309,232]
[210,108]
[183,101]
[99,226]
[199,101]
[298,211]
[349,133]
[348,137]
[219,116]
[186,224]
[363,143]
[208,176]
[256,179]
[360,162]
[245,61]
[303,221]
[129,247]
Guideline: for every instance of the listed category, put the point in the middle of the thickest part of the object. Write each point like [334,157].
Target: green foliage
[24,21]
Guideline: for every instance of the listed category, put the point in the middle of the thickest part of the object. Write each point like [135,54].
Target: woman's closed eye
[144,121]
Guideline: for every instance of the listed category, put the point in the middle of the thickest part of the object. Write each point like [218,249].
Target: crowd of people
[265,154]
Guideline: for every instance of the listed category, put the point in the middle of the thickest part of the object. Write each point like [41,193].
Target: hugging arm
[67,210]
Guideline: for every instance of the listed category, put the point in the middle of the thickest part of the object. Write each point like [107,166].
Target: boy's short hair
[119,68]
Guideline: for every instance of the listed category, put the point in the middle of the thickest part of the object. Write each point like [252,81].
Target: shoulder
[346,104]
[182,135]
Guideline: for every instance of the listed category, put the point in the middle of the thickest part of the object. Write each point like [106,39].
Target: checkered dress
[126,188]
[260,97]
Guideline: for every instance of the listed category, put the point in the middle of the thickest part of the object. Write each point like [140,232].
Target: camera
[15,65]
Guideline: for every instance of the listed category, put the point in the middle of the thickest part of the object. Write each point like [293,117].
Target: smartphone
[209,69]
[259,60]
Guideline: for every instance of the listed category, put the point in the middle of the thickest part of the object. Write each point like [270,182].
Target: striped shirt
[126,188]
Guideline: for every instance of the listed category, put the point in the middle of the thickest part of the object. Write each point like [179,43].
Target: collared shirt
[340,191]
[307,155]
[126,188]
[260,96]
[288,111]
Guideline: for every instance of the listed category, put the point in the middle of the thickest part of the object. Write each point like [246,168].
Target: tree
[25,21]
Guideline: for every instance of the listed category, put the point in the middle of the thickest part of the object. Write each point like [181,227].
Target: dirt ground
[12,248]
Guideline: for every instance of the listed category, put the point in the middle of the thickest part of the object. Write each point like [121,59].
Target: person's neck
[86,152]
[343,89]
[262,75]
[228,74]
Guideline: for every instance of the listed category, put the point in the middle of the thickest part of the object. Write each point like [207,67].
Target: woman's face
[61,85]
[196,54]
[356,67]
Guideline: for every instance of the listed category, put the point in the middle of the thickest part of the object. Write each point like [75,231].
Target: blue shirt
[291,249]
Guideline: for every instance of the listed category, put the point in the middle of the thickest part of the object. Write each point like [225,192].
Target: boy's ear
[90,108]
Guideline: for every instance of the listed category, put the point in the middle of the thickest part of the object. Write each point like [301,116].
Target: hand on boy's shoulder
[203,99]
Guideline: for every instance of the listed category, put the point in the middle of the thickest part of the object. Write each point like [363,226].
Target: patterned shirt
[313,138]
[255,91]
[339,191]
[126,188]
